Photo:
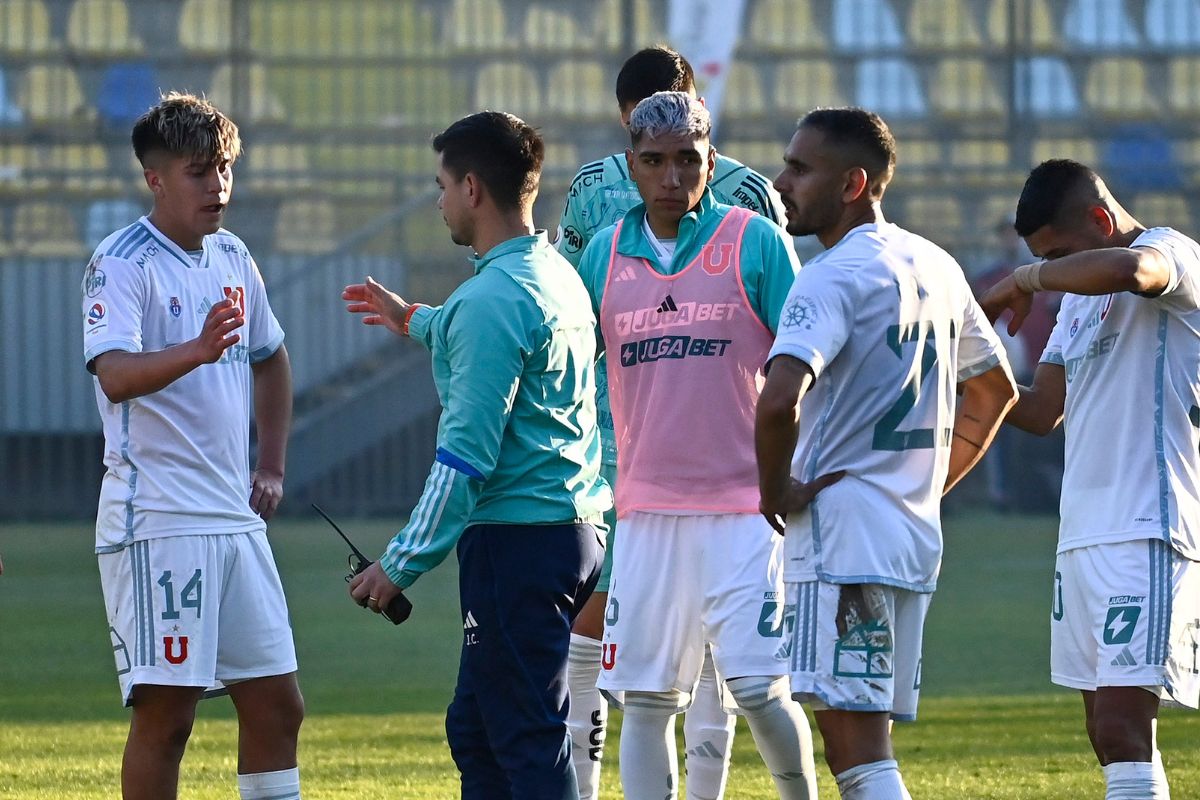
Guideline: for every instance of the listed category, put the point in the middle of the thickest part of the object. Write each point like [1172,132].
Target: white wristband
[1028,277]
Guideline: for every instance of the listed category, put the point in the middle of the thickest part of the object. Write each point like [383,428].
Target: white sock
[281,785]
[587,716]
[879,780]
[781,734]
[707,737]
[649,767]
[1160,774]
[1135,780]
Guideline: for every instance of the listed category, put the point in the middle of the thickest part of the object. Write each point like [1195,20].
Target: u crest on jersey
[716,258]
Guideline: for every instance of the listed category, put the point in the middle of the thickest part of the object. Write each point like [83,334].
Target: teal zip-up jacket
[517,441]
[769,262]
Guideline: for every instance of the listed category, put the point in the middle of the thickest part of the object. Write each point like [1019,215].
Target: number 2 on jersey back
[887,437]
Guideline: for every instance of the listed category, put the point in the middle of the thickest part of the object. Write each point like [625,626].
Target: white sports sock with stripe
[781,733]
[281,785]
[1135,780]
[879,780]
[587,717]
[649,765]
[708,737]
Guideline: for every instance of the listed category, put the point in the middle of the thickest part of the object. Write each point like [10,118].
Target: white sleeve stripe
[439,485]
[421,533]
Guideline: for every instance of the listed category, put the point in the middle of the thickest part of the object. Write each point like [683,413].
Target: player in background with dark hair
[516,479]
[600,194]
[1120,373]
[181,338]
[858,438]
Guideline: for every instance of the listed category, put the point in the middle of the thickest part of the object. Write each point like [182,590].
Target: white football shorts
[1127,614]
[681,582]
[196,611]
[857,647]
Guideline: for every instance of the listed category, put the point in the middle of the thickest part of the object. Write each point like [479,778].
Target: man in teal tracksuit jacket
[515,481]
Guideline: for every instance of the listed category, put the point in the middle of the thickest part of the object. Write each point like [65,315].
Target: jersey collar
[633,241]
[164,242]
[519,244]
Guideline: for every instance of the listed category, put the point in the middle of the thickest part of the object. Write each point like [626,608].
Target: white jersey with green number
[1132,413]
[602,192]
[887,323]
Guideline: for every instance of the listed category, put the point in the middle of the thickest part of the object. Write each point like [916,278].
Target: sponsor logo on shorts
[608,656]
[169,652]
[864,645]
[1120,624]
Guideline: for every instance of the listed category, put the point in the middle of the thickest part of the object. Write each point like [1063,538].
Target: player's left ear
[855,186]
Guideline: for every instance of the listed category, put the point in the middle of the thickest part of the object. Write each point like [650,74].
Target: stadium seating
[1163,208]
[1044,87]
[1031,20]
[15,163]
[784,26]
[937,216]
[51,94]
[478,25]
[981,162]
[101,28]
[242,91]
[10,112]
[25,28]
[105,216]
[802,85]
[509,86]
[363,28]
[889,86]
[579,90]
[206,27]
[866,26]
[46,229]
[943,25]
[744,92]
[79,169]
[962,88]
[648,24]
[1173,23]
[546,28]
[1079,149]
[276,168]
[1118,88]
[307,227]
[1183,86]
[126,91]
[1100,25]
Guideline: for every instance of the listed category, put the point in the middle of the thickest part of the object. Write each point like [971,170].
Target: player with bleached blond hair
[180,336]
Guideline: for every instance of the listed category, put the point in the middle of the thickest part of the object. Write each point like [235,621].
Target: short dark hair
[861,134]
[655,69]
[502,150]
[185,125]
[1053,189]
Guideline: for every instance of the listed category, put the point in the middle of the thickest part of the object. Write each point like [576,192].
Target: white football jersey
[177,459]
[887,323]
[1132,409]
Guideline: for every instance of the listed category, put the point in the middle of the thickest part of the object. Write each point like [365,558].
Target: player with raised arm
[858,437]
[1120,373]
[515,483]
[180,336]
[601,193]
[688,293]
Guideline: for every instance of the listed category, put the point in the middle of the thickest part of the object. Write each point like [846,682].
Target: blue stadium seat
[1100,25]
[890,87]
[10,113]
[1044,87]
[1173,23]
[1139,158]
[126,91]
[866,25]
[106,216]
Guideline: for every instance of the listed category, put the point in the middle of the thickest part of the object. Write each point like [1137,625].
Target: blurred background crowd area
[337,100]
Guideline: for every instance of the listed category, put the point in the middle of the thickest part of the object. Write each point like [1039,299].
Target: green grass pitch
[990,726]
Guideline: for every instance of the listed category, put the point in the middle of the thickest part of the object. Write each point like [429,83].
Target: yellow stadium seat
[578,89]
[25,28]
[1031,19]
[1082,150]
[936,215]
[962,87]
[802,85]
[306,227]
[744,92]
[206,26]
[547,28]
[273,167]
[649,23]
[1183,86]
[47,230]
[52,94]
[101,28]
[241,90]
[559,165]
[362,28]
[511,87]
[1117,87]
[77,168]
[942,25]
[987,162]
[478,25]
[16,161]
[1163,209]
[785,26]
